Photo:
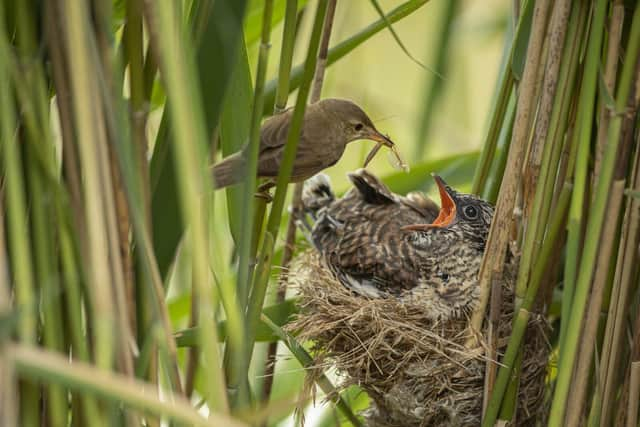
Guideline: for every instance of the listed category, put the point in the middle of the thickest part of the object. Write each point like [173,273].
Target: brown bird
[380,244]
[328,126]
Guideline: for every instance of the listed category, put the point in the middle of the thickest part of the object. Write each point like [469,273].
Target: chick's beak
[447,210]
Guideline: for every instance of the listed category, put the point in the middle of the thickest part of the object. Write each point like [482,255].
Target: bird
[328,126]
[382,245]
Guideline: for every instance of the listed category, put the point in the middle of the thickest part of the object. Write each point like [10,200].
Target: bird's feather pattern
[368,244]
[362,241]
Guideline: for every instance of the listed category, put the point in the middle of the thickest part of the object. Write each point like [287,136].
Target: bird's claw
[264,195]
[263,191]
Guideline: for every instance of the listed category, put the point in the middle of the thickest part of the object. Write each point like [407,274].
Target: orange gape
[447,210]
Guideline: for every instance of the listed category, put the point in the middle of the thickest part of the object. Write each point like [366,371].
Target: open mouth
[447,210]
[447,206]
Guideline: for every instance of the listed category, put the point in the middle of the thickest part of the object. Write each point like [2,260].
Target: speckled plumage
[362,241]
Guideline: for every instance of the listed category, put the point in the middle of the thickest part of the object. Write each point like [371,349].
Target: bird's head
[462,216]
[354,121]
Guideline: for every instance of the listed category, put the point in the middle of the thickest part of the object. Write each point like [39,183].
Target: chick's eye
[358,127]
[470,212]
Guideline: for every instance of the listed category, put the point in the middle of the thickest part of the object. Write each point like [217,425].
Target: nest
[416,371]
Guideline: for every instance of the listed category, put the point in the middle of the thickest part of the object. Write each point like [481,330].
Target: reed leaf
[345,47]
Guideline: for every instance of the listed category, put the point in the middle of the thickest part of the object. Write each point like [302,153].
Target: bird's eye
[359,126]
[470,212]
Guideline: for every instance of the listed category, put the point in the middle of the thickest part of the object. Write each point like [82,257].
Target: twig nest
[416,370]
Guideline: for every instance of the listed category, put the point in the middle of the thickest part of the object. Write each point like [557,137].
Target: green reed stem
[550,157]
[178,72]
[340,50]
[18,234]
[504,143]
[598,209]
[499,108]
[261,277]
[52,368]
[286,55]
[305,359]
[46,268]
[523,313]
[236,361]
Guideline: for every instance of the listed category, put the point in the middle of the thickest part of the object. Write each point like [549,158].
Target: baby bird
[328,126]
[380,244]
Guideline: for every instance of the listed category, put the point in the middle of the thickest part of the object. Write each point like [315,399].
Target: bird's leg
[263,191]
[302,223]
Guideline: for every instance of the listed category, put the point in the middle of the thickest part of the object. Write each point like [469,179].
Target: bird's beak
[447,209]
[381,140]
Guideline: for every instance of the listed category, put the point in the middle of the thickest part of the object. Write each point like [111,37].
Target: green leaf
[395,35]
[343,48]
[278,313]
[456,170]
[216,59]
[235,125]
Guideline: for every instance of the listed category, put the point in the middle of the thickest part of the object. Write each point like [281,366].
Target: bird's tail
[317,194]
[228,171]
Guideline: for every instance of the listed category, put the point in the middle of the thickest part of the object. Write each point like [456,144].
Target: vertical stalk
[286,55]
[286,167]
[45,261]
[614,37]
[282,94]
[18,234]
[236,360]
[539,150]
[343,48]
[89,135]
[615,330]
[495,253]
[522,314]
[296,201]
[596,217]
[504,144]
[590,327]
[634,394]
[8,392]
[190,136]
[583,135]
[506,83]
[546,132]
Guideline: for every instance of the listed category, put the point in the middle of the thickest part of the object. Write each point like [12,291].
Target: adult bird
[380,244]
[327,127]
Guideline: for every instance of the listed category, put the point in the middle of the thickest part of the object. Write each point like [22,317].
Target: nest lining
[417,371]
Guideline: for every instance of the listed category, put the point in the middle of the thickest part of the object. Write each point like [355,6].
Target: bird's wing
[372,249]
[310,157]
[273,133]
[371,189]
